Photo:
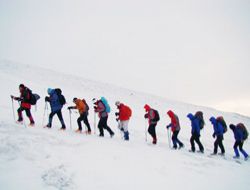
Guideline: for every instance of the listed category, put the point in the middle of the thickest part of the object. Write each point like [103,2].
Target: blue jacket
[238,134]
[218,128]
[195,123]
[54,101]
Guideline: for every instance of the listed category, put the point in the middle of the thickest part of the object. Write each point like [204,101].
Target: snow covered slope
[37,158]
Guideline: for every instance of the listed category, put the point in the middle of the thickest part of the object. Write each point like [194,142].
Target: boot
[154,140]
[126,136]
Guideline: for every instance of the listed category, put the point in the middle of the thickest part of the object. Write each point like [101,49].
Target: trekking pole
[70,121]
[94,122]
[169,136]
[93,101]
[13,109]
[146,134]
[44,113]
[24,123]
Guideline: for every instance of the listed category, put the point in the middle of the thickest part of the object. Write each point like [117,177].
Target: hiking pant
[103,125]
[60,117]
[27,111]
[176,140]
[123,126]
[83,117]
[151,130]
[196,138]
[240,145]
[218,142]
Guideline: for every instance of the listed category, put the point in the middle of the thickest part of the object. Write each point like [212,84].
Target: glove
[70,107]
[146,116]
[47,99]
[214,135]
[116,114]
[13,97]
[168,126]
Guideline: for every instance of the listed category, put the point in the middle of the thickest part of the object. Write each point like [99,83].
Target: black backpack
[244,130]
[61,97]
[157,116]
[199,115]
[33,98]
[223,123]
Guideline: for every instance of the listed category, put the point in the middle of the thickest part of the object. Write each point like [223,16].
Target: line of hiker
[101,107]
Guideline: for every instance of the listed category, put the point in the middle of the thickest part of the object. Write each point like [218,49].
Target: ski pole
[13,109]
[146,134]
[70,120]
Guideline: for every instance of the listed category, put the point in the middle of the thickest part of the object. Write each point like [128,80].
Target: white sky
[194,51]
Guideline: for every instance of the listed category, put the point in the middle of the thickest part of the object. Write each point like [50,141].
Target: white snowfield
[38,158]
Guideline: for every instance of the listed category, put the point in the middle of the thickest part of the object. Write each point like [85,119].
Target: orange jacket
[80,106]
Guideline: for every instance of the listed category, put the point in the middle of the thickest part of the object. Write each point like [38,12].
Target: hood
[213,120]
[170,114]
[50,91]
[190,116]
[147,107]
[232,126]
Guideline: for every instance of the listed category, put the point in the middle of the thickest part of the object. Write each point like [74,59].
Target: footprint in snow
[59,178]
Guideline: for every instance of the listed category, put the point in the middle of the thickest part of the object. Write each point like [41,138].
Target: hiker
[195,131]
[56,100]
[83,109]
[153,117]
[124,115]
[102,108]
[25,104]
[240,135]
[175,127]
[219,135]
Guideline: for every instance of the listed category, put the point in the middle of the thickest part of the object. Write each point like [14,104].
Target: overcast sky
[194,51]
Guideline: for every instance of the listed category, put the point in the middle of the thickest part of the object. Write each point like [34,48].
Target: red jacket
[124,112]
[175,125]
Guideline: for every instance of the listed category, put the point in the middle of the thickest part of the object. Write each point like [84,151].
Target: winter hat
[232,126]
[21,86]
[49,90]
[147,107]
[117,103]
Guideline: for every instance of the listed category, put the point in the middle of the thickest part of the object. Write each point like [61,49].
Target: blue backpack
[105,102]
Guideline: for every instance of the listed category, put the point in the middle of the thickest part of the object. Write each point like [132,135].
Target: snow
[38,158]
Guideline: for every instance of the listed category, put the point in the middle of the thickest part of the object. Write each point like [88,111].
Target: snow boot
[155,140]
[126,136]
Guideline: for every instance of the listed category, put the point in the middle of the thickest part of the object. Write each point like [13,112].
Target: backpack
[223,123]
[87,106]
[61,97]
[105,102]
[157,116]
[129,111]
[244,130]
[33,98]
[199,115]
